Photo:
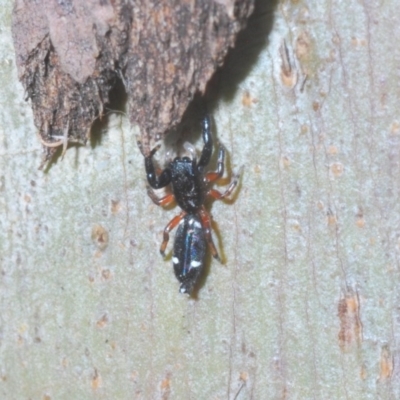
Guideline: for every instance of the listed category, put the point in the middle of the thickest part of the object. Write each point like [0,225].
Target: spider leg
[218,195]
[171,225]
[163,201]
[208,143]
[154,180]
[206,222]
[213,176]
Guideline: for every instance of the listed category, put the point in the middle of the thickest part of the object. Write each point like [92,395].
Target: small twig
[62,141]
[65,138]
[238,392]
[49,144]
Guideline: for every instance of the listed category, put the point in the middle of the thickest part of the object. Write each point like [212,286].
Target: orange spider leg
[206,222]
[171,225]
[212,176]
[163,201]
[218,195]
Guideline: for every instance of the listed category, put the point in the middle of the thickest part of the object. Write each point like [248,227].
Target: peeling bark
[71,54]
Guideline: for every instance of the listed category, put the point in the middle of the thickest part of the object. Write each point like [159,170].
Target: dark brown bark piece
[71,53]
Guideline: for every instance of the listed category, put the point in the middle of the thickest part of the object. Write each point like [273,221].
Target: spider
[189,184]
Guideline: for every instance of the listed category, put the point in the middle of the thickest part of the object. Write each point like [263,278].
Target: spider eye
[186,159]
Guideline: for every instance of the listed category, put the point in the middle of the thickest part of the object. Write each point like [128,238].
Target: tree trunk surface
[306,303]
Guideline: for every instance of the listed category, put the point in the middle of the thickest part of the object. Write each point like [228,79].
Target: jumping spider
[189,186]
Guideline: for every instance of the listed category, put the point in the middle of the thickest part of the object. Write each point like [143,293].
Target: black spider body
[189,251]
[189,185]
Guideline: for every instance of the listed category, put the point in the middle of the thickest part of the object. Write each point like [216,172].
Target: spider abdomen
[189,252]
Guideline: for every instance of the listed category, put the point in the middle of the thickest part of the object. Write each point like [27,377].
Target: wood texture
[71,54]
[307,304]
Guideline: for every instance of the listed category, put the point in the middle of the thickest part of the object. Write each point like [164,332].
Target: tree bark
[306,305]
